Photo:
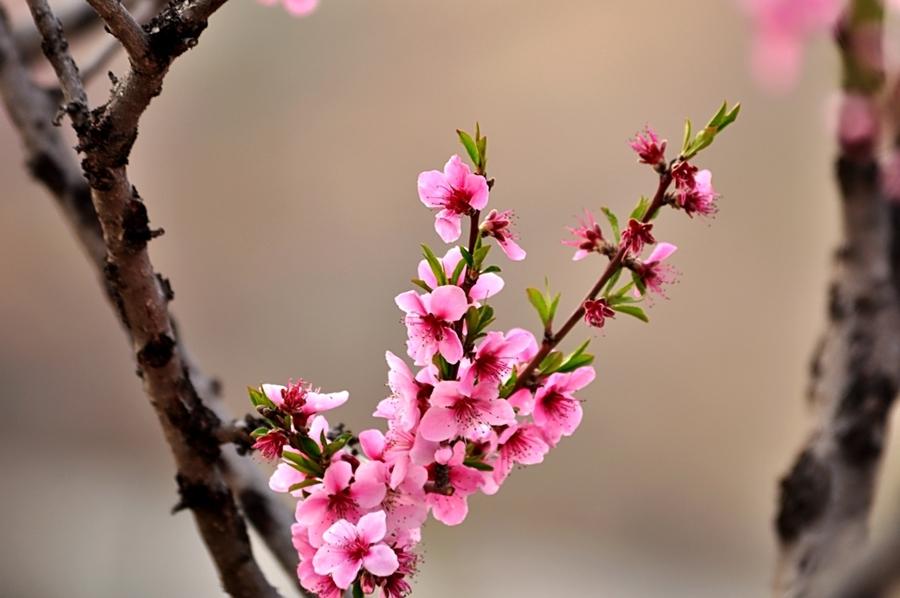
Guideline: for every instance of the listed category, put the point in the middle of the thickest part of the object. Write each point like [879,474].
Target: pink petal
[410,302]
[300,8]
[425,274]
[345,573]
[451,347]
[337,477]
[456,171]
[447,302]
[432,188]
[372,443]
[273,392]
[660,252]
[499,413]
[446,393]
[372,527]
[312,510]
[340,533]
[284,477]
[330,557]
[776,60]
[381,560]
[368,489]
[448,226]
[477,188]
[487,285]
[317,402]
[581,378]
[522,400]
[438,424]
[512,250]
[449,510]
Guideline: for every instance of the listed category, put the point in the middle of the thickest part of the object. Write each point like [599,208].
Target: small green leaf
[259,398]
[457,272]
[302,464]
[435,264]
[470,146]
[421,284]
[480,254]
[573,363]
[482,151]
[357,590]
[638,212]
[687,136]
[536,298]
[636,280]
[310,448]
[490,269]
[467,257]
[261,431]
[302,485]
[479,465]
[612,281]
[613,222]
[553,305]
[551,363]
[632,310]
[337,444]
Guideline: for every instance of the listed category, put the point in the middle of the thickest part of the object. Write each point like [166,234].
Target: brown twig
[125,29]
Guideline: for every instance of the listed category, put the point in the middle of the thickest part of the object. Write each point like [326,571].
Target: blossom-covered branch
[478,401]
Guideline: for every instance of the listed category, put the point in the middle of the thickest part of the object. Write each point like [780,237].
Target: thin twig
[125,28]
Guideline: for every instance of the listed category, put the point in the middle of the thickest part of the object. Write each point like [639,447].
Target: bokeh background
[281,160]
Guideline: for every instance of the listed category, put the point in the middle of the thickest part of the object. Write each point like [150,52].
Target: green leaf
[636,280]
[490,269]
[553,305]
[421,284]
[638,212]
[536,298]
[435,264]
[261,431]
[613,222]
[612,281]
[310,448]
[480,254]
[482,151]
[467,257]
[457,271]
[632,310]
[575,362]
[470,146]
[357,590]
[302,485]
[302,464]
[479,465]
[509,385]
[687,136]
[551,363]
[259,398]
[337,444]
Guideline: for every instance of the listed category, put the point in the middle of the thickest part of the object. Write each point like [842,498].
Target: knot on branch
[171,35]
[199,496]
[804,496]
[156,352]
[863,411]
[136,231]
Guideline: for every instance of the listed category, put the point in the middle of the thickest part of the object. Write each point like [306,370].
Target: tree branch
[125,29]
[826,498]
[175,386]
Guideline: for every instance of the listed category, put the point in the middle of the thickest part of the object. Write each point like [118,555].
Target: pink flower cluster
[470,403]
[456,424]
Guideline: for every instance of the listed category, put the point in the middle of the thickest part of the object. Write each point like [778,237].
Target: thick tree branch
[174,386]
[826,498]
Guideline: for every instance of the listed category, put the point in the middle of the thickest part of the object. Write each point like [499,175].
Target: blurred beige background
[281,159]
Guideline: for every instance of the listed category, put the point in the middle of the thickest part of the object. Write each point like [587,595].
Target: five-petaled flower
[455,192]
[348,548]
[653,273]
[429,323]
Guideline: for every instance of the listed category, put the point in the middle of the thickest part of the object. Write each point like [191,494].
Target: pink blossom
[523,444]
[299,399]
[405,504]
[694,190]
[348,548]
[408,394]
[782,28]
[456,192]
[454,482]
[271,444]
[653,273]
[649,148]
[429,323]
[597,311]
[486,286]
[344,494]
[636,234]
[495,355]
[297,8]
[396,584]
[461,409]
[403,450]
[321,585]
[588,237]
[497,225]
[556,412]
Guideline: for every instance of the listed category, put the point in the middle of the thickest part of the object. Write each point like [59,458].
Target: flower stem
[552,340]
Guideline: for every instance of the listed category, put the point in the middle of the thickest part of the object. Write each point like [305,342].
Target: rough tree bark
[111,224]
[826,498]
